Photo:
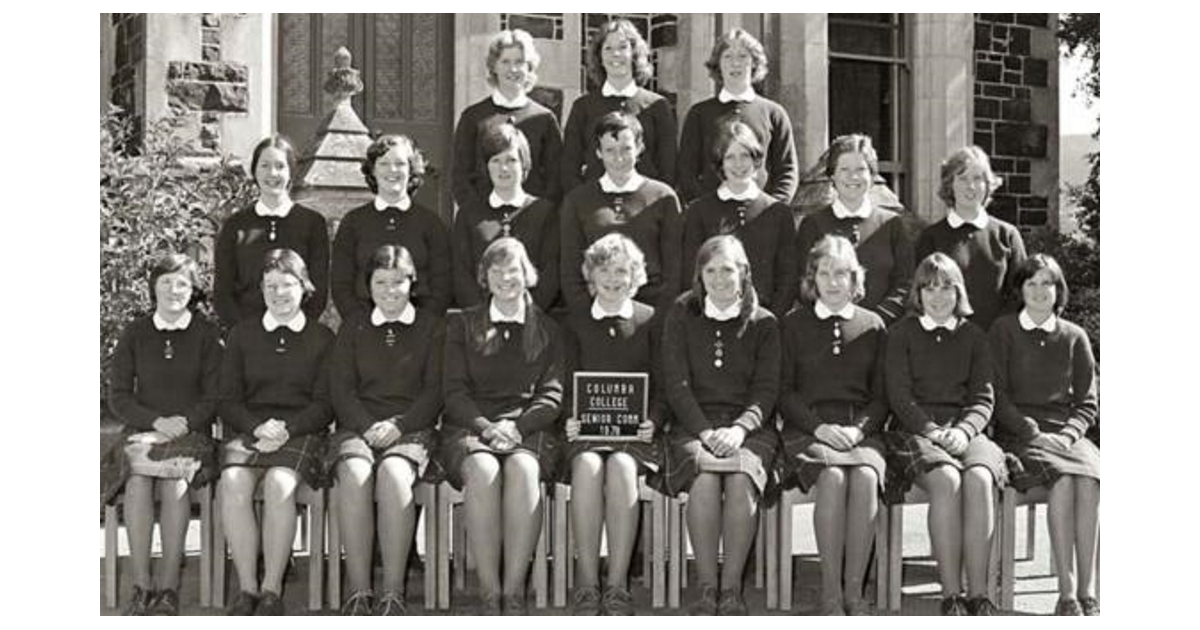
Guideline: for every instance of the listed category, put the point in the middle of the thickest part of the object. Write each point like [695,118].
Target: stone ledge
[219,97]
[226,71]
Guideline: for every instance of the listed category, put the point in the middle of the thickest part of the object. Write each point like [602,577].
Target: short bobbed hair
[513,38]
[502,251]
[170,262]
[502,137]
[614,247]
[728,245]
[957,163]
[1029,269]
[642,70]
[738,37]
[734,132]
[613,123]
[288,261]
[839,249]
[274,141]
[938,268]
[852,143]
[410,152]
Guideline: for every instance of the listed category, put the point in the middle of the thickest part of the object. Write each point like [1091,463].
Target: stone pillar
[108,61]
[942,85]
[471,34]
[803,70]
[248,39]
[696,39]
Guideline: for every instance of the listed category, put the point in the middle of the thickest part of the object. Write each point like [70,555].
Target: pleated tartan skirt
[805,458]
[684,451]
[911,455]
[1032,466]
[304,454]
[414,447]
[457,444]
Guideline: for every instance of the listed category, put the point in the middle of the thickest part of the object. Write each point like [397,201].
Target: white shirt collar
[521,101]
[404,204]
[282,211]
[745,97]
[497,317]
[956,221]
[629,91]
[635,182]
[180,324]
[296,325]
[841,211]
[928,324]
[624,312]
[750,194]
[1027,322]
[823,311]
[712,312]
[407,316]
[518,200]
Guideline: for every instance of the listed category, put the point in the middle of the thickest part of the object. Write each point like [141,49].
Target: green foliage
[1079,256]
[155,196]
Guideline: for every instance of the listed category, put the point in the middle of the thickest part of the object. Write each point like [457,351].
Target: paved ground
[1036,588]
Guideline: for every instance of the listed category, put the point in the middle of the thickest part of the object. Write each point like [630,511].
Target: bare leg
[241,527]
[587,512]
[944,485]
[397,518]
[829,520]
[1061,522]
[172,526]
[1087,532]
[481,502]
[356,519]
[620,516]
[979,524]
[739,524]
[279,524]
[862,508]
[139,526]
[704,525]
[522,519]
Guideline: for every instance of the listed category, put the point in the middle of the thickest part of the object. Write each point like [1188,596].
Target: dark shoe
[358,605]
[586,601]
[138,603]
[269,605]
[858,608]
[706,604]
[166,603]
[1090,606]
[491,606]
[514,605]
[392,604]
[617,602]
[731,604]
[982,607]
[243,604]
[1068,608]
[954,606]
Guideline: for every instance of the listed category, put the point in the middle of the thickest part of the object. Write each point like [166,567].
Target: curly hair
[408,151]
[642,70]
[738,37]
[958,162]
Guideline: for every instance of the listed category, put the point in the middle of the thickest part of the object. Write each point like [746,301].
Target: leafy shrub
[155,196]
[1079,256]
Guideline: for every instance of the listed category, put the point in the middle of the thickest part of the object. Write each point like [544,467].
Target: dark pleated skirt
[683,452]
[304,454]
[415,447]
[911,455]
[648,455]
[1034,466]
[805,458]
[192,456]
[458,443]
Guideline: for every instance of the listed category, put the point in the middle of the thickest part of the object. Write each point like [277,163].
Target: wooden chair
[895,548]
[452,539]
[677,546]
[1011,498]
[425,495]
[201,496]
[313,501]
[653,532]
[779,549]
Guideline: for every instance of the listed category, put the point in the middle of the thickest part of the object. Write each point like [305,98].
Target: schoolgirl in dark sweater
[386,389]
[394,169]
[274,222]
[834,406]
[163,387]
[737,62]
[739,207]
[939,383]
[1045,405]
[618,64]
[275,406]
[721,356]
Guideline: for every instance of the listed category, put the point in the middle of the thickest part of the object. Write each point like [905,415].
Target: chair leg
[540,577]
[769,519]
[995,553]
[562,552]
[895,570]
[760,568]
[442,546]
[1031,532]
[220,554]
[1007,536]
[204,496]
[675,548]
[316,549]
[685,539]
[335,550]
[428,502]
[658,514]
[882,558]
[110,556]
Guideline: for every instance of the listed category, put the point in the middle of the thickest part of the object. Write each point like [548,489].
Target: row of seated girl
[720,365]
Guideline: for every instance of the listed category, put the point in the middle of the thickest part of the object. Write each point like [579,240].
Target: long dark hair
[730,246]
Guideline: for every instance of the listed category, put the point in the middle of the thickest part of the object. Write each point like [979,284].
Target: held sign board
[610,405]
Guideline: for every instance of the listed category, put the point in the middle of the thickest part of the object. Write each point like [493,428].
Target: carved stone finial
[343,81]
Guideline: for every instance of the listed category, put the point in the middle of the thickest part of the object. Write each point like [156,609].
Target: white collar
[518,200]
[296,325]
[282,211]
[750,194]
[180,324]
[499,99]
[404,204]
[823,312]
[1027,322]
[497,317]
[624,312]
[711,310]
[928,324]
[407,316]
[956,221]
[629,91]
[634,182]
[745,97]
[842,211]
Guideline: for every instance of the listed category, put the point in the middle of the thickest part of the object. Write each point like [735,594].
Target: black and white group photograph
[542,314]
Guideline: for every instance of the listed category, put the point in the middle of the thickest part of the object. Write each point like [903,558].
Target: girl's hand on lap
[646,431]
[571,428]
[382,434]
[171,426]
[955,441]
